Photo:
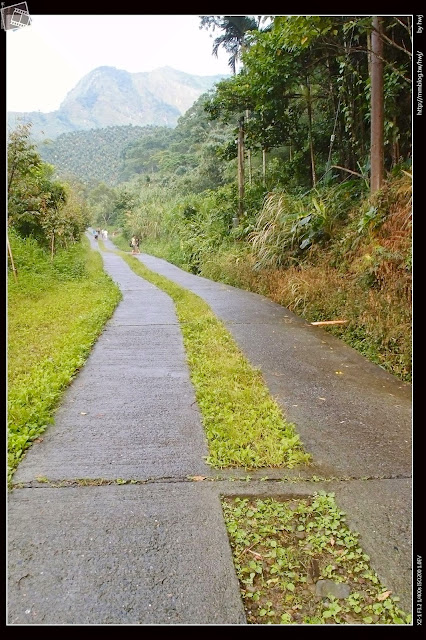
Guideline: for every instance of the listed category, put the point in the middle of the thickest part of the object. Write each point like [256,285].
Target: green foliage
[328,55]
[288,225]
[234,38]
[38,205]
[282,548]
[305,84]
[97,155]
[56,311]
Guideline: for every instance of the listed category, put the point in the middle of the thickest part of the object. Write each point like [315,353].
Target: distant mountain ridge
[112,97]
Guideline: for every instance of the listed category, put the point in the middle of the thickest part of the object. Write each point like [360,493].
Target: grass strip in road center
[244,425]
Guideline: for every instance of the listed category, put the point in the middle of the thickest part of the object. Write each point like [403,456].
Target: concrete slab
[158,553]
[154,554]
[131,412]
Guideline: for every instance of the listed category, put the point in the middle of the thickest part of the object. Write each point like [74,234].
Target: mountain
[108,97]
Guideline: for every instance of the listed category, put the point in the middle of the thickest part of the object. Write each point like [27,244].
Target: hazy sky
[46,59]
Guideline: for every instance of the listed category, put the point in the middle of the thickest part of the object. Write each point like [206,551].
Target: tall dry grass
[365,279]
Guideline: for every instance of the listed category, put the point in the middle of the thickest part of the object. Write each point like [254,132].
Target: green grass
[244,425]
[282,549]
[56,311]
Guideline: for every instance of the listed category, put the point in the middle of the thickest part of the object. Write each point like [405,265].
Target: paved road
[157,552]
[351,415]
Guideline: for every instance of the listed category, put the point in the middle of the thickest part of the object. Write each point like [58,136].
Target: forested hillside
[267,181]
[96,155]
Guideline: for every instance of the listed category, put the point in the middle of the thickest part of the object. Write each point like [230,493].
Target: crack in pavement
[97,482]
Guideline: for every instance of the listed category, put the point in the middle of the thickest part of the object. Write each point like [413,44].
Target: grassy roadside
[244,425]
[55,313]
[298,563]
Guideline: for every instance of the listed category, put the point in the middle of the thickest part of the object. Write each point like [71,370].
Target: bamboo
[15,274]
[355,173]
[311,144]
[329,322]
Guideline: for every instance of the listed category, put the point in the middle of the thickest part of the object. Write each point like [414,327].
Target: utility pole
[377,115]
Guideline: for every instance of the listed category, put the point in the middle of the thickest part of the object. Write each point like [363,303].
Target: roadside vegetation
[295,219]
[59,297]
[359,272]
[56,311]
[298,563]
[243,423]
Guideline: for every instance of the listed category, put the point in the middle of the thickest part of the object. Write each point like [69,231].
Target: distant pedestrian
[105,234]
[135,244]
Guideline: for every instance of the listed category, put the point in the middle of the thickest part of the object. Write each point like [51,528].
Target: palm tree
[233,40]
[233,37]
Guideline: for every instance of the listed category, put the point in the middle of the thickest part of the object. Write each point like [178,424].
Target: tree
[377,105]
[233,40]
[306,80]
[102,203]
[234,36]
[34,198]
[39,205]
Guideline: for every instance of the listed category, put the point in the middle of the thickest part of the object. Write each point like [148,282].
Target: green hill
[95,155]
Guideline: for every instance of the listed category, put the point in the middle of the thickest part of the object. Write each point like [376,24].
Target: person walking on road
[135,244]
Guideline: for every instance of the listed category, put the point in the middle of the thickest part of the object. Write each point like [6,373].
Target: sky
[46,59]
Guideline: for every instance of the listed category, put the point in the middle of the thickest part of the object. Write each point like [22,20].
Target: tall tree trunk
[249,154]
[311,145]
[240,170]
[377,134]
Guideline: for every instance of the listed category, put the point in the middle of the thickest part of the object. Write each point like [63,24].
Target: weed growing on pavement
[284,550]
[244,425]
[54,317]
